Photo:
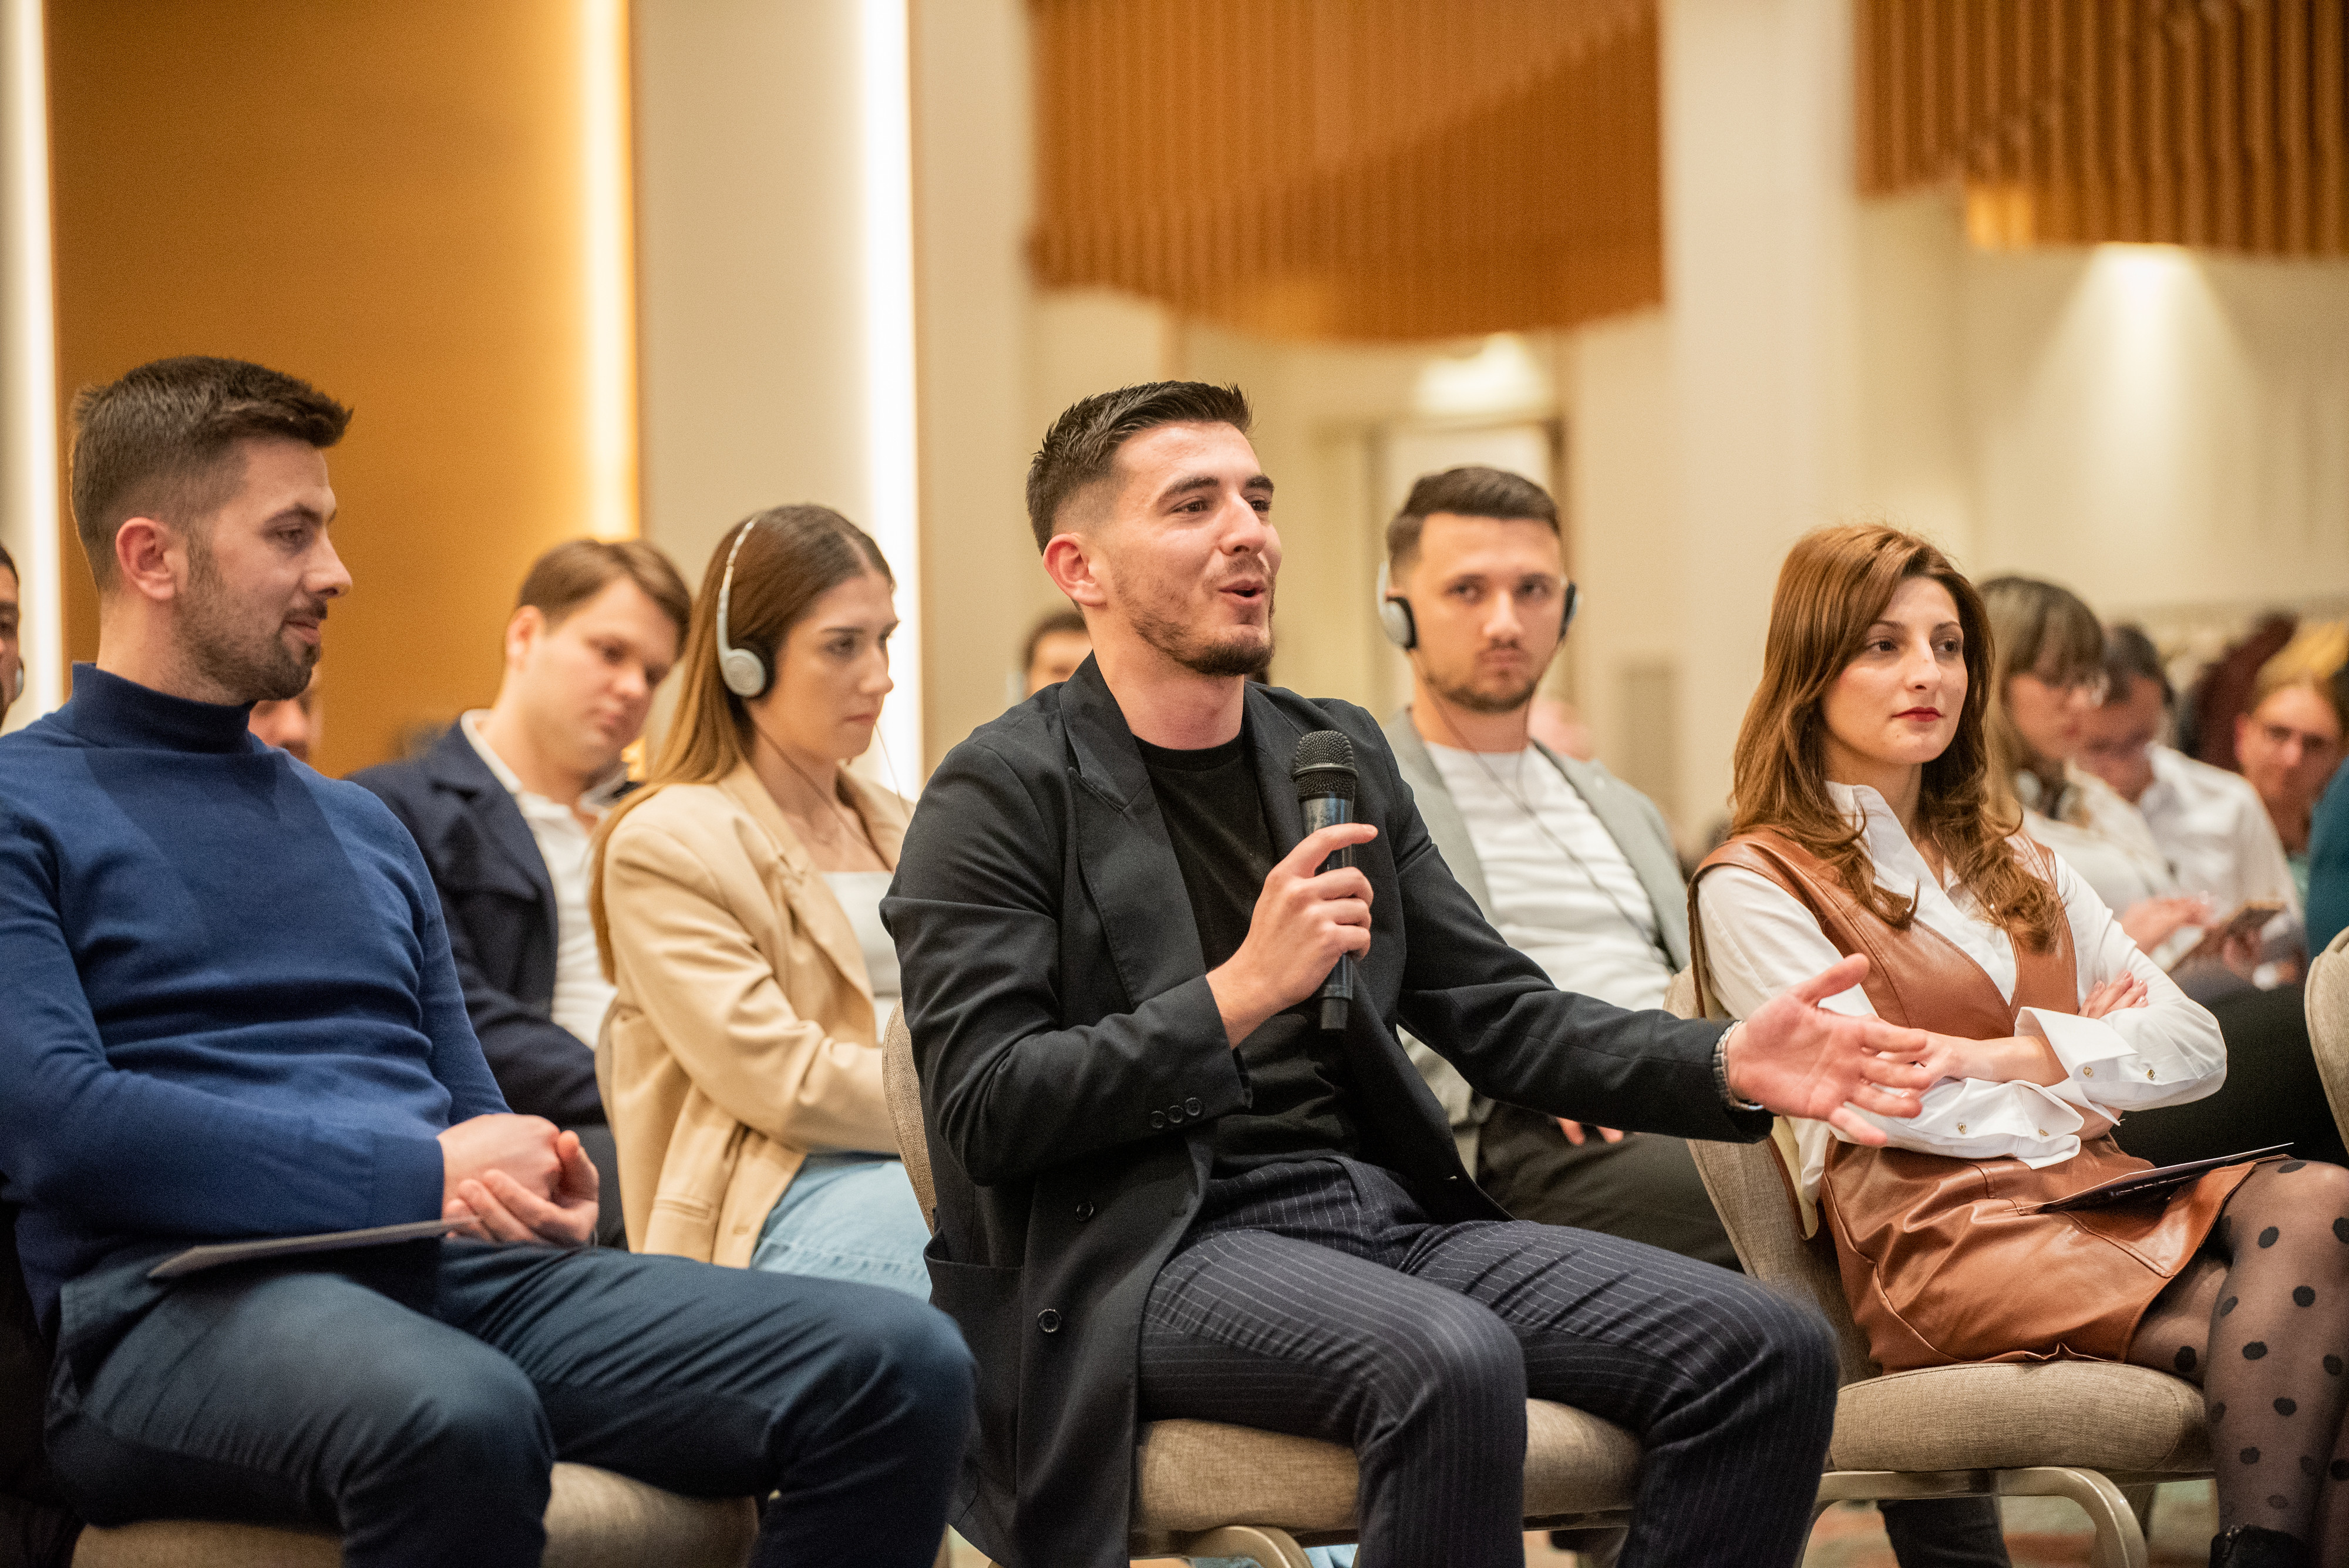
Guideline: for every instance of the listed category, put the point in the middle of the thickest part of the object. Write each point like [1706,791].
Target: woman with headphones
[737,900]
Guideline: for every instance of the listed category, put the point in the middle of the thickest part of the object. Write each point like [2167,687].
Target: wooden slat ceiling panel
[1356,169]
[2222,123]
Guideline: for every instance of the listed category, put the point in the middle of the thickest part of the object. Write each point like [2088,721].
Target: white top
[2215,832]
[2106,841]
[860,894]
[1590,926]
[582,994]
[1759,939]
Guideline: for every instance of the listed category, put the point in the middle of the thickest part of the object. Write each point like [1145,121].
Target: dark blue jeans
[415,1403]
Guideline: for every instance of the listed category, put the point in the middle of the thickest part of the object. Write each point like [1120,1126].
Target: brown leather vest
[1947,1260]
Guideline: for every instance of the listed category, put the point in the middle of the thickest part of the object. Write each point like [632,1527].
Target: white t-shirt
[1590,926]
[582,994]
[1760,940]
[860,894]
[2216,833]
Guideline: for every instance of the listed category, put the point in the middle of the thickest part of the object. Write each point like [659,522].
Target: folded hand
[502,1210]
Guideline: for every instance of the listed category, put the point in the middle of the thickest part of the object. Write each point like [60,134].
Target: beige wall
[748,284]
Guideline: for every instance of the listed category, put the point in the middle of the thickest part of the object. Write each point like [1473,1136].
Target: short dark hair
[161,441]
[2130,654]
[8,565]
[1080,449]
[1058,622]
[578,569]
[1468,492]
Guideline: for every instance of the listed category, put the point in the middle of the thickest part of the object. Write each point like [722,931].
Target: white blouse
[1760,940]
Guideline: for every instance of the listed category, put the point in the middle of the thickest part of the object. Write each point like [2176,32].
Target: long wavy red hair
[1835,584]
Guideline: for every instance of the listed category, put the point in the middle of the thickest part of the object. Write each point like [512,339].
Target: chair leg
[2120,1540]
[1262,1545]
[2140,1501]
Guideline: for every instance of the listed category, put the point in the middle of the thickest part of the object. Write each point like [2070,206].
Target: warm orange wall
[384,197]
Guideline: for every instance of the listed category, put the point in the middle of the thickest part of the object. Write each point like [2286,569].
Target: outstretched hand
[502,1210]
[1796,1058]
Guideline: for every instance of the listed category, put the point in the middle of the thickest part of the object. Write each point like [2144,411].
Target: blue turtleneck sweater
[227,1008]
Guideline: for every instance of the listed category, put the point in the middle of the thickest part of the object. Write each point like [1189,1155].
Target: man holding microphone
[1165,1190]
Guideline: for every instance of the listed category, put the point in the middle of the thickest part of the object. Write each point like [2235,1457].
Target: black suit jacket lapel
[1272,737]
[458,767]
[1127,861]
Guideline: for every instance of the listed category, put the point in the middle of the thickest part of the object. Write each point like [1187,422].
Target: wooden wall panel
[1353,169]
[2220,123]
[385,197]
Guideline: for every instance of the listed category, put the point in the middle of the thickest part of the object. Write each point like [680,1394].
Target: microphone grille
[1324,764]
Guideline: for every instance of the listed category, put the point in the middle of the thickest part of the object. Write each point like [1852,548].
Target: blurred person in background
[2288,745]
[738,899]
[291,724]
[2047,676]
[2210,825]
[12,656]
[2328,848]
[504,805]
[1056,645]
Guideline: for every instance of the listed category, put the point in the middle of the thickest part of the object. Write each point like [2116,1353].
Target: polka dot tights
[2261,1321]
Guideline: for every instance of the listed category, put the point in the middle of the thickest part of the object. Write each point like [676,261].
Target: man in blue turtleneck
[231,1013]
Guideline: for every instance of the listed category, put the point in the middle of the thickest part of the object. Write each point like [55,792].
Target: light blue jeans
[848,1217]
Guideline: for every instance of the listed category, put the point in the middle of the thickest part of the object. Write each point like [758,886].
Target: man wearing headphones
[12,656]
[1573,866]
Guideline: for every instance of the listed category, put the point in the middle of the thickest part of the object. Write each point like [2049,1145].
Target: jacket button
[1175,1116]
[1192,1106]
[1157,1120]
[1049,1321]
[1085,1212]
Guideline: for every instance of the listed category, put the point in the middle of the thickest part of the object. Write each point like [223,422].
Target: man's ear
[1070,562]
[523,628]
[147,559]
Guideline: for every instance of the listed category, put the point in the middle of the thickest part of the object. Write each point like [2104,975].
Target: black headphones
[1396,620]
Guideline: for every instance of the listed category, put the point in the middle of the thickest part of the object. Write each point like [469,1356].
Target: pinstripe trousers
[1314,1296]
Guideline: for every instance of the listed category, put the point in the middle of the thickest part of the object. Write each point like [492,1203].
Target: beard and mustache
[228,646]
[1235,650]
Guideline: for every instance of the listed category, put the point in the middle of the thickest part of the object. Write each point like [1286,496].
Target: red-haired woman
[1865,825]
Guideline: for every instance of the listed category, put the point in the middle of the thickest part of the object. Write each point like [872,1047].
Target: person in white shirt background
[504,804]
[1575,869]
[1860,784]
[2210,825]
[2047,676]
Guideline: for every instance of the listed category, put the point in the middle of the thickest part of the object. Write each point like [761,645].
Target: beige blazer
[743,1033]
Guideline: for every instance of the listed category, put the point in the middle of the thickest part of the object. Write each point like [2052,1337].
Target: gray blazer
[1638,831]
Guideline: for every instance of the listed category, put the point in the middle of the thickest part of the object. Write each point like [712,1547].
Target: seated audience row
[234,1014]
[1174,1180]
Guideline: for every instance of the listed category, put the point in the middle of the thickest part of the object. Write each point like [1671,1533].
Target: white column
[29,514]
[774,286]
[1759,208]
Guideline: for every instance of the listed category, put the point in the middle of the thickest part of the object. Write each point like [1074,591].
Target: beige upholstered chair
[1204,1489]
[594,1520]
[2327,1000]
[2099,1433]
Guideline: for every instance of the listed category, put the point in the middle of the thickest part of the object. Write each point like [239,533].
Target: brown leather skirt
[1943,1260]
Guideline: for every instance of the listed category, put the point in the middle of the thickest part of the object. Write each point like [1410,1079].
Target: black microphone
[1323,771]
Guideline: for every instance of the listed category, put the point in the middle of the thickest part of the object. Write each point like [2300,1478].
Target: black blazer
[1072,1060]
[500,904]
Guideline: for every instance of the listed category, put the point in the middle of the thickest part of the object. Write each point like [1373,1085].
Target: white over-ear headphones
[743,670]
[1395,617]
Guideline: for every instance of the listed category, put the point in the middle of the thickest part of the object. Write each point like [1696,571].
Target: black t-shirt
[1298,1075]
